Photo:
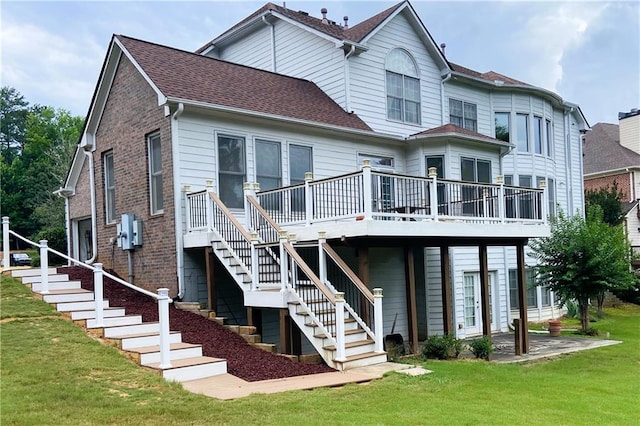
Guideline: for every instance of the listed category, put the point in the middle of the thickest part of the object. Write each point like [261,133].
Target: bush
[589,332]
[57,240]
[442,347]
[482,347]
[572,309]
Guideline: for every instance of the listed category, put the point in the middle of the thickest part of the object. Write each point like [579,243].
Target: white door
[84,240]
[472,306]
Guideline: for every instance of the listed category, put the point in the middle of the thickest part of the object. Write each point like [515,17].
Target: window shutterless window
[403,87]
[522,132]
[473,170]
[502,121]
[551,192]
[109,188]
[537,134]
[437,161]
[155,173]
[525,198]
[530,280]
[231,170]
[268,164]
[463,114]
[300,162]
[549,135]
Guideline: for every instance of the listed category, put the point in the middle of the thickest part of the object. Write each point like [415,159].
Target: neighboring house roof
[626,208]
[602,151]
[182,75]
[456,131]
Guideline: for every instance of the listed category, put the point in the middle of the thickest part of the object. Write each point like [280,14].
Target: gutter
[177,199]
[446,78]
[94,218]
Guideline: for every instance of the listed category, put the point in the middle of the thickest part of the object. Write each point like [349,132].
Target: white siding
[387,272]
[254,50]
[473,95]
[435,322]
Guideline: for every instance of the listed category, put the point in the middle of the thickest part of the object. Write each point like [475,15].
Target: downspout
[347,79]
[64,193]
[177,199]
[273,43]
[444,80]
[94,216]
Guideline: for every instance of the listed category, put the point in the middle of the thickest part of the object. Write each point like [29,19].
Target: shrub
[442,347]
[482,347]
[57,240]
[589,332]
[572,309]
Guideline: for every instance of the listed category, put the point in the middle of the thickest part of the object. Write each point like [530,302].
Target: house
[612,154]
[294,165]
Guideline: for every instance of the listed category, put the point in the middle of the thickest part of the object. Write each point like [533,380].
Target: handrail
[230,215]
[309,273]
[264,215]
[352,276]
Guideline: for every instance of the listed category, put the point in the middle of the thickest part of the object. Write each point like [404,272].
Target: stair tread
[133,335]
[346,332]
[351,344]
[109,308]
[188,362]
[172,346]
[68,291]
[364,355]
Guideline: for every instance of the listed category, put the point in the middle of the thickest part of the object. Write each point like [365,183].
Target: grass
[52,373]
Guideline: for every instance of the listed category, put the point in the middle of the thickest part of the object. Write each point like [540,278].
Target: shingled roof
[192,77]
[490,76]
[355,34]
[602,150]
[453,129]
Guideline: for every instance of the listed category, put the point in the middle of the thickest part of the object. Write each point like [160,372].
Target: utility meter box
[137,233]
[125,233]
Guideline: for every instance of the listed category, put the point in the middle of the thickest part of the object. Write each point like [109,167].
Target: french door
[472,302]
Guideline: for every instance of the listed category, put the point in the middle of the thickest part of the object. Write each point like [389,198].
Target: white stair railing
[98,278]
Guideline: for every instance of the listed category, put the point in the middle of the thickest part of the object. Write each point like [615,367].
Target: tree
[582,259]
[13,118]
[609,199]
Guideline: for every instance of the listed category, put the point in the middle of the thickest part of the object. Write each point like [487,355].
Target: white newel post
[98,293]
[189,208]
[340,343]
[284,274]
[322,238]
[485,208]
[308,199]
[208,204]
[368,188]
[433,192]
[544,201]
[255,264]
[163,315]
[6,256]
[247,189]
[377,319]
[501,201]
[44,266]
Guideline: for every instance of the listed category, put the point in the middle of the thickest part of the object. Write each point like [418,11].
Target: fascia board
[74,171]
[159,94]
[611,172]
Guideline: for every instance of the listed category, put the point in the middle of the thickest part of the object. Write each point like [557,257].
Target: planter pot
[554,328]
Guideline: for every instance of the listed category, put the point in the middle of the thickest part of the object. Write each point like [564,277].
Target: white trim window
[537,134]
[522,132]
[109,188]
[549,137]
[156,198]
[502,126]
[463,114]
[530,281]
[403,87]
[268,164]
[232,168]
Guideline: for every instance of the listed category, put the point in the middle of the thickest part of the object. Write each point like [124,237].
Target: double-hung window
[526,197]
[155,173]
[522,132]
[473,170]
[109,188]
[269,172]
[437,161]
[537,135]
[231,170]
[549,134]
[300,162]
[502,123]
[403,87]
[530,282]
[463,114]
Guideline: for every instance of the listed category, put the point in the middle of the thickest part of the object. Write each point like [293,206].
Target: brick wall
[623,184]
[132,113]
[80,202]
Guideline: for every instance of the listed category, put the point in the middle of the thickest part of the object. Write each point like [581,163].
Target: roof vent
[346,22]
[442,47]
[498,82]
[302,12]
[324,15]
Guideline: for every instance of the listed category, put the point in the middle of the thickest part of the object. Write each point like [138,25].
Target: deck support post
[163,315]
[6,253]
[445,269]
[44,266]
[522,297]
[212,301]
[411,298]
[484,291]
[98,293]
[340,339]
[378,320]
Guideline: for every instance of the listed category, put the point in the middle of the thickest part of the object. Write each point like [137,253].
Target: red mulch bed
[243,360]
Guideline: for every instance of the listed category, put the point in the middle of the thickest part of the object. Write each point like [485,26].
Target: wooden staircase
[139,340]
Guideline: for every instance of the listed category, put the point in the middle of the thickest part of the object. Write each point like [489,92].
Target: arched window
[403,87]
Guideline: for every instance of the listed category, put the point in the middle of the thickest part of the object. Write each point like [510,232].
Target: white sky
[587,51]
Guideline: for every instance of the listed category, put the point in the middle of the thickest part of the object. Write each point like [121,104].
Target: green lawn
[52,373]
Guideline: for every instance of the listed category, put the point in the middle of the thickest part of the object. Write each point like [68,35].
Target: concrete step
[56,285]
[183,370]
[63,296]
[151,354]
[79,306]
[123,330]
[141,340]
[369,358]
[109,322]
[38,278]
[88,314]
[17,273]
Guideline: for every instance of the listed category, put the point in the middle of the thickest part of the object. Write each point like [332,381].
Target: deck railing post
[163,316]
[367,188]
[377,315]
[44,266]
[247,189]
[6,256]
[98,293]
[255,263]
[543,200]
[340,340]
[485,208]
[188,207]
[322,238]
[284,274]
[208,204]
[433,192]
[501,200]
[308,198]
